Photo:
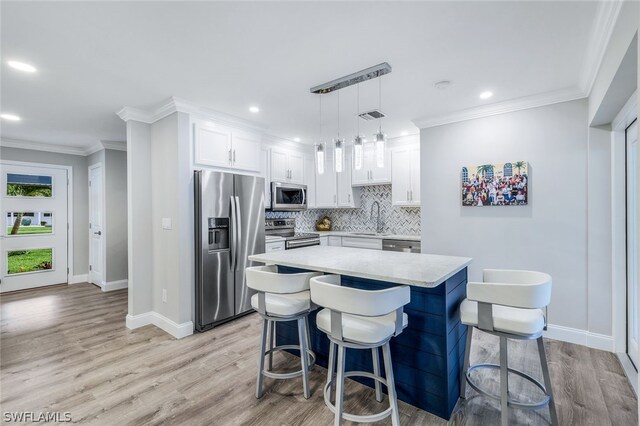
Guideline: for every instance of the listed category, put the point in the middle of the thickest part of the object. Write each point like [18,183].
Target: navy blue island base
[427,357]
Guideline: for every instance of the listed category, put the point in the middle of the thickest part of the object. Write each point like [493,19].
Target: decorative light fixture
[357,141]
[319,147]
[380,138]
[338,146]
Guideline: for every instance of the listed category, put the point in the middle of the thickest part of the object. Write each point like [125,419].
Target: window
[508,170]
[30,260]
[29,223]
[465,175]
[19,185]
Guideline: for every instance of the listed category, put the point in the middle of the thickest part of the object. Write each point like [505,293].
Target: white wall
[549,234]
[116,214]
[80,189]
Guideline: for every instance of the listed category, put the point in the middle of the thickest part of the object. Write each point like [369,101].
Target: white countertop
[273,238]
[379,237]
[416,269]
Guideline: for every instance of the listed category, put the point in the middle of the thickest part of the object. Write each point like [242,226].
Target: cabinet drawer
[274,246]
[335,241]
[366,243]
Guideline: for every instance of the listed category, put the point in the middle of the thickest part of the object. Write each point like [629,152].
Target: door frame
[103,282]
[625,117]
[70,223]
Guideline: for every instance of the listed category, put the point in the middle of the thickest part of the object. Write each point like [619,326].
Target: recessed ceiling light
[441,85]
[21,66]
[404,133]
[10,117]
[296,139]
[254,109]
[486,95]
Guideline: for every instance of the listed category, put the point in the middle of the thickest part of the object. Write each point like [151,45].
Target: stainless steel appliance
[288,196]
[229,226]
[287,228]
[406,246]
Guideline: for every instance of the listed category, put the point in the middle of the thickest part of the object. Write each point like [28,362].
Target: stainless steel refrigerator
[229,227]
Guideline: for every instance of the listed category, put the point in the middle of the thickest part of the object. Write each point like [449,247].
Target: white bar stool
[359,319]
[508,304]
[282,297]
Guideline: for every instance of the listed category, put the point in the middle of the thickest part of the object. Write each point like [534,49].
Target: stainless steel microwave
[288,197]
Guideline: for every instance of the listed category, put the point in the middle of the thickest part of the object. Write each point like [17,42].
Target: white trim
[39,146]
[69,169]
[629,371]
[627,114]
[77,279]
[606,18]
[153,318]
[114,285]
[512,105]
[579,337]
[174,104]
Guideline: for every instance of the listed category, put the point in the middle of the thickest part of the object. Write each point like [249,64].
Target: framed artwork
[500,184]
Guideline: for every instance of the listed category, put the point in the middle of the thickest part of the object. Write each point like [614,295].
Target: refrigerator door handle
[238,233]
[234,239]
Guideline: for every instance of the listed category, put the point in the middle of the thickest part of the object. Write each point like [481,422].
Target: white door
[246,151]
[212,145]
[34,236]
[96,225]
[632,242]
[401,177]
[296,167]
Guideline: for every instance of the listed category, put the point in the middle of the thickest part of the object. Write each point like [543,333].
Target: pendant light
[338,152]
[358,153]
[320,147]
[380,138]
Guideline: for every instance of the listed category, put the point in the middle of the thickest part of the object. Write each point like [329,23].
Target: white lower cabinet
[274,246]
[324,240]
[335,241]
[366,243]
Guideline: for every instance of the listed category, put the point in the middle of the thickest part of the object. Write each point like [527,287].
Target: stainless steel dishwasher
[401,245]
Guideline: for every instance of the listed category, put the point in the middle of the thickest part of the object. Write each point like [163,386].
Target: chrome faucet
[378,223]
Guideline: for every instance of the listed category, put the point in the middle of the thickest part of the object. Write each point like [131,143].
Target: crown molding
[518,104]
[40,146]
[114,145]
[603,26]
[278,142]
[174,104]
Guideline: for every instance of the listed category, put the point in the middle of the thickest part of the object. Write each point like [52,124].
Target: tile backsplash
[396,220]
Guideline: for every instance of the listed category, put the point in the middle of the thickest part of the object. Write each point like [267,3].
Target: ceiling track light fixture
[354,78]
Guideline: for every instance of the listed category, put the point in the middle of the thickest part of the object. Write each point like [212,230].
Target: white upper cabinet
[264,172]
[287,166]
[220,146]
[326,186]
[370,173]
[310,181]
[405,179]
[347,195]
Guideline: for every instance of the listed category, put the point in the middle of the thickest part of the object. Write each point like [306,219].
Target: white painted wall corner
[153,318]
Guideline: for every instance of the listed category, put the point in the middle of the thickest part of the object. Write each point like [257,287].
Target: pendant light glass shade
[320,158]
[380,140]
[358,153]
[339,154]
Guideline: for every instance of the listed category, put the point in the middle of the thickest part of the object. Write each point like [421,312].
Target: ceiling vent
[372,115]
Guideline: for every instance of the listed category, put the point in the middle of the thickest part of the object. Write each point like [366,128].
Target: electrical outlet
[164,295]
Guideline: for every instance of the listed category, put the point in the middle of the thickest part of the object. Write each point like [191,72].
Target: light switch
[166,223]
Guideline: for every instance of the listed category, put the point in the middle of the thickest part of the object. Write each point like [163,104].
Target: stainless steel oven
[288,196]
[287,228]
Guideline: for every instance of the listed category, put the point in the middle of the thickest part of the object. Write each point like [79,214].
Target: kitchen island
[427,356]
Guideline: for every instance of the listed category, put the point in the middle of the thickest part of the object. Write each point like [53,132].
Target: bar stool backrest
[266,279]
[327,292]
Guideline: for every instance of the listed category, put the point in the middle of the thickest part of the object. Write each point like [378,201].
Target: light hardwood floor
[67,349]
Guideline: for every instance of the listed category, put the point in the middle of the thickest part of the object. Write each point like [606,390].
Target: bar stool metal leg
[272,338]
[331,367]
[504,382]
[465,367]
[376,370]
[263,343]
[547,382]
[308,334]
[304,358]
[340,386]
[391,384]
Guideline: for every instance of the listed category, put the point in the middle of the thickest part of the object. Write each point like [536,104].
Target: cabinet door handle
[349,197]
[230,156]
[408,198]
[335,198]
[234,156]
[411,194]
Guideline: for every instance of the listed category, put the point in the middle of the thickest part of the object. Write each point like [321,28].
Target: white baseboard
[580,337]
[76,279]
[115,285]
[153,318]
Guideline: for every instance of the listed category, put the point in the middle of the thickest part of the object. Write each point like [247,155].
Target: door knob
[98,233]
